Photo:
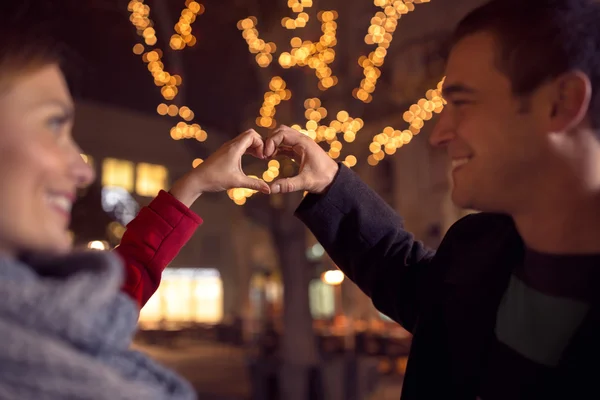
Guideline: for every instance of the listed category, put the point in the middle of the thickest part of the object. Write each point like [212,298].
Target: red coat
[152,241]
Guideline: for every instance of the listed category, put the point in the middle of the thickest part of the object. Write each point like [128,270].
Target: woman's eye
[57,123]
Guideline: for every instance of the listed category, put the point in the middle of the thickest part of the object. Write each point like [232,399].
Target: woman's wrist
[186,190]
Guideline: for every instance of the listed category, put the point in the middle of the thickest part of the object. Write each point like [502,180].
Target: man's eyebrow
[457,88]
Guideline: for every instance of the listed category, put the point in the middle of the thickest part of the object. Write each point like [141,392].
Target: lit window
[117,173]
[322,299]
[150,179]
[185,295]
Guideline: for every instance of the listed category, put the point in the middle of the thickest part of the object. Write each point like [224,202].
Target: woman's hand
[222,170]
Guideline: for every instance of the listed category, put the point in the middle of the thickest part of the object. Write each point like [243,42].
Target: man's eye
[459,103]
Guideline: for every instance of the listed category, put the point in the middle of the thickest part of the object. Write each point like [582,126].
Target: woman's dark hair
[28,40]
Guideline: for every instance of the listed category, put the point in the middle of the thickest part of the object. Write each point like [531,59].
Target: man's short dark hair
[538,40]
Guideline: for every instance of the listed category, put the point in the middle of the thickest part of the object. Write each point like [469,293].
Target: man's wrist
[329,177]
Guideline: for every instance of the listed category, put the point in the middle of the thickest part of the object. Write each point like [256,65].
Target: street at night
[299,199]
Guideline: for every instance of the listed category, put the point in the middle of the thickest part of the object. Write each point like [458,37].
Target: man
[508,306]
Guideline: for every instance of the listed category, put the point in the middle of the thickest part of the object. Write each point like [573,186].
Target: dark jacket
[448,300]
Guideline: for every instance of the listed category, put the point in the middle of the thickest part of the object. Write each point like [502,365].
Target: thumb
[288,185]
[255,184]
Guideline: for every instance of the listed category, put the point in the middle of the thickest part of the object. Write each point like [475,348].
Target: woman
[65,326]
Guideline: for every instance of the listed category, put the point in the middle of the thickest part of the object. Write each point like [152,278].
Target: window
[322,299]
[185,295]
[150,179]
[117,173]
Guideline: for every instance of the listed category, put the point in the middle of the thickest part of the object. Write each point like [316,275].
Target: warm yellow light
[117,172]
[274,164]
[149,32]
[150,179]
[351,161]
[172,110]
[318,56]
[189,116]
[342,116]
[185,296]
[97,245]
[162,109]
[138,49]
[201,136]
[333,277]
[391,139]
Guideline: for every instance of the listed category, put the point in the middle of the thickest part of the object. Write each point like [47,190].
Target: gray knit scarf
[65,333]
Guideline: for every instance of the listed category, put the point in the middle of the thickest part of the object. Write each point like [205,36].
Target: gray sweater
[65,333]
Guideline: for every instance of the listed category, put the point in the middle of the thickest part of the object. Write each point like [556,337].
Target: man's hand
[222,170]
[317,169]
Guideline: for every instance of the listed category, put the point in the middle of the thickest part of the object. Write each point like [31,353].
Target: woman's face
[40,164]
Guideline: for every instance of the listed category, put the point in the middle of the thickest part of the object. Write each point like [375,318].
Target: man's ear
[571,94]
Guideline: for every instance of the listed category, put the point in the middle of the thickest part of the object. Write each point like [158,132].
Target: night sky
[219,74]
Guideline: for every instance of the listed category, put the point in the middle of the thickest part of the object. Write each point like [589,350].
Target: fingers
[289,152]
[289,185]
[254,184]
[283,136]
[250,142]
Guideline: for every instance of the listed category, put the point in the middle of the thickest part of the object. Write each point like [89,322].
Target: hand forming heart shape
[223,169]
[316,173]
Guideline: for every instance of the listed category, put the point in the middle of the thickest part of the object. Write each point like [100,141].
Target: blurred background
[160,84]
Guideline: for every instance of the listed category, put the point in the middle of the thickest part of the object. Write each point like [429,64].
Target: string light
[187,131]
[318,56]
[380,33]
[183,27]
[273,171]
[302,18]
[272,99]
[343,124]
[264,51]
[388,141]
[169,83]
[350,161]
[240,195]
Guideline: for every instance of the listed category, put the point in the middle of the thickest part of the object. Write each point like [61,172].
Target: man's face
[494,144]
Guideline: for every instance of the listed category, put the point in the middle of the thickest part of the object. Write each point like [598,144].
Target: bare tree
[298,349]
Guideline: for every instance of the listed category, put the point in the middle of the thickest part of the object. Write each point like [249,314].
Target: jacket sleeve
[151,242]
[365,237]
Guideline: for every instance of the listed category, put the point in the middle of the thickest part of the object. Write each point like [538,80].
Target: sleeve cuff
[172,209]
[339,181]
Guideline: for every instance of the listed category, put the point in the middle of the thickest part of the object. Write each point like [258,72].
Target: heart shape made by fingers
[241,195]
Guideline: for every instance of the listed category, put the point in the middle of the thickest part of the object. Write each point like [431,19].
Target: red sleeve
[151,242]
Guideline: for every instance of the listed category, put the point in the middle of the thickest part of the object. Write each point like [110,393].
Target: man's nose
[444,131]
